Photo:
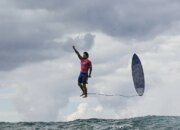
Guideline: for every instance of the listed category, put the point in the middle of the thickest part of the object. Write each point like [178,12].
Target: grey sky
[29,28]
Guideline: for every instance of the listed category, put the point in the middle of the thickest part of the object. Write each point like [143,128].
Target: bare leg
[85,90]
[82,88]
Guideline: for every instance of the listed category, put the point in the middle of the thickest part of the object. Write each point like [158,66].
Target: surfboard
[138,75]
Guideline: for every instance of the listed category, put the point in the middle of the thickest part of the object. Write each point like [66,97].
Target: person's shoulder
[89,61]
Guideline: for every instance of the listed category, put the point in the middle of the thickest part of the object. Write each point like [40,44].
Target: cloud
[83,42]
[85,111]
[42,89]
[123,19]
[28,36]
[30,28]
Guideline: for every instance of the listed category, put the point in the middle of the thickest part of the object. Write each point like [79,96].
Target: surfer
[86,69]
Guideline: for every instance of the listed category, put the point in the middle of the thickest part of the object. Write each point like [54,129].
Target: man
[86,67]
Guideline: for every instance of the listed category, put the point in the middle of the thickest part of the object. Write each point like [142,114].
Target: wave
[138,123]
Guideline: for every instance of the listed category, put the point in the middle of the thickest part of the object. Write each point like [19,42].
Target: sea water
[138,123]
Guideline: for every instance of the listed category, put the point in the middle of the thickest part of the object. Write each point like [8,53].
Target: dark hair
[86,54]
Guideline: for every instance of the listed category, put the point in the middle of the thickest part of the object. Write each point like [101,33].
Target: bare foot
[82,94]
[85,96]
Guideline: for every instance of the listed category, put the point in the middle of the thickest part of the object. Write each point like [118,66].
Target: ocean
[138,123]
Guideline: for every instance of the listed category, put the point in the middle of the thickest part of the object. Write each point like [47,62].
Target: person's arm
[90,71]
[80,57]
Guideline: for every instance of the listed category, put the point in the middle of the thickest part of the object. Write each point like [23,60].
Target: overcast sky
[39,69]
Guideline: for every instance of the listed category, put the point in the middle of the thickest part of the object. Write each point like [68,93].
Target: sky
[39,69]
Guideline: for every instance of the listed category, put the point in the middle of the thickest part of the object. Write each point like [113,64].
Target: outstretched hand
[73,47]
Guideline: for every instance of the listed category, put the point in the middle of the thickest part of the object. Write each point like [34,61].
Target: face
[84,55]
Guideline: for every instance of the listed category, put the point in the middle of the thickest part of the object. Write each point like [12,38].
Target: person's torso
[85,64]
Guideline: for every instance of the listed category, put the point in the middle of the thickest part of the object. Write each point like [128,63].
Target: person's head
[85,55]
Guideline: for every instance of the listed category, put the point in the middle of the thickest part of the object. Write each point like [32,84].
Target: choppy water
[139,123]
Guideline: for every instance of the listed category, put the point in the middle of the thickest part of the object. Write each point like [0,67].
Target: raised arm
[80,57]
